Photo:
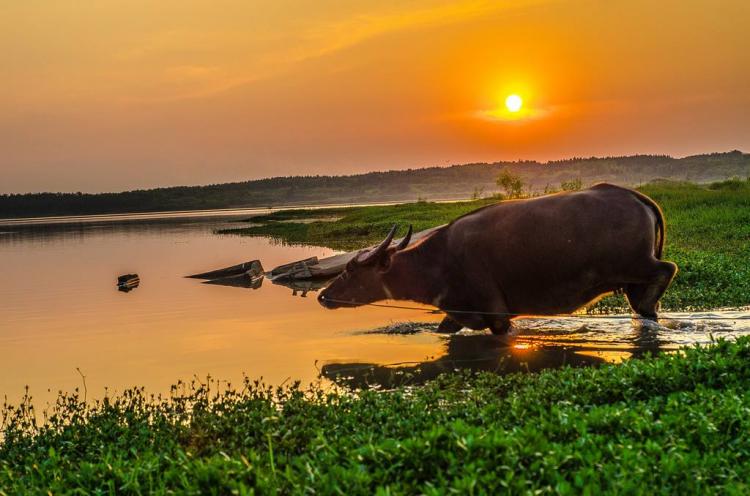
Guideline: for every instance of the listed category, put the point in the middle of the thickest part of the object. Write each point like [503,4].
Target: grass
[708,236]
[674,424]
[354,227]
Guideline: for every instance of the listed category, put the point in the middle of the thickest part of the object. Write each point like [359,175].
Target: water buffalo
[539,256]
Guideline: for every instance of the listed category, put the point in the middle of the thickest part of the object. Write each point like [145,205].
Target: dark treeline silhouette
[453,182]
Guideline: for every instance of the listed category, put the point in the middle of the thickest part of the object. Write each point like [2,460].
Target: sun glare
[513,103]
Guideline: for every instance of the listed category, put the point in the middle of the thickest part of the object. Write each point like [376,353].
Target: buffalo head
[361,282]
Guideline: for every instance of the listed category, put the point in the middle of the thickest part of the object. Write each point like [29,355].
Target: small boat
[128,282]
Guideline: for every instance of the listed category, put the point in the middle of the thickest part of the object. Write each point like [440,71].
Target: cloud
[192,48]
[273,55]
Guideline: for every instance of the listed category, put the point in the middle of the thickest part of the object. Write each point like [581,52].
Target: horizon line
[518,161]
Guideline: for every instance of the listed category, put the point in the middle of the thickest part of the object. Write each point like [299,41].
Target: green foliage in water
[708,236]
[674,424]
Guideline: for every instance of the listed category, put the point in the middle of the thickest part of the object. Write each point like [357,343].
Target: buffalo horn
[375,253]
[405,242]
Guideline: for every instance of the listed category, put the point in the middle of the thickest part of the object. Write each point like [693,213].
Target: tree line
[453,182]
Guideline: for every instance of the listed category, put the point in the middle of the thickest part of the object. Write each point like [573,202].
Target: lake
[60,312]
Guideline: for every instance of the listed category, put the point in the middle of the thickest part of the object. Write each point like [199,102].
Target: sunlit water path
[60,310]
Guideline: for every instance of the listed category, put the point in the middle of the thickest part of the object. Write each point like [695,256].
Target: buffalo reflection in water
[537,348]
[463,352]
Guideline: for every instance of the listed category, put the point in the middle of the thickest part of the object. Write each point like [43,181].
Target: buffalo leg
[644,297]
[500,326]
[449,326]
[503,329]
[467,319]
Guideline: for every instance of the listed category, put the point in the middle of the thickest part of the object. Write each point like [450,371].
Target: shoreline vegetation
[671,424]
[453,182]
[708,237]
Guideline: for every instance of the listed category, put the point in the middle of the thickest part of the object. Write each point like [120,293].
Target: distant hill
[454,182]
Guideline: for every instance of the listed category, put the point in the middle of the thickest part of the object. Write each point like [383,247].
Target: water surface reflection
[483,352]
[543,344]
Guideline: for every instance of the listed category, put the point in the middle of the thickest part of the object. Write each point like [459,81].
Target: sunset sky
[110,95]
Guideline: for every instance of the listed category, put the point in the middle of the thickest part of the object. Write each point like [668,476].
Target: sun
[513,103]
[509,106]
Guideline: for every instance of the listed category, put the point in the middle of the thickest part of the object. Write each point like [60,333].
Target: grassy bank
[675,424]
[708,236]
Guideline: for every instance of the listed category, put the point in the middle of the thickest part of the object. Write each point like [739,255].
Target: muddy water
[60,311]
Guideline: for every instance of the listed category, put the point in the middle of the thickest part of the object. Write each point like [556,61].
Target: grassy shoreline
[674,424]
[708,236]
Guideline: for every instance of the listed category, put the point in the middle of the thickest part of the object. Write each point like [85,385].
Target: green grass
[708,236]
[354,227]
[674,424]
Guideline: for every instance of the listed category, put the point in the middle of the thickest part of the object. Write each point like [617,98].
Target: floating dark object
[128,282]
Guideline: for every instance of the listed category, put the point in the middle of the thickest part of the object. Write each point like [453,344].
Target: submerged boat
[310,274]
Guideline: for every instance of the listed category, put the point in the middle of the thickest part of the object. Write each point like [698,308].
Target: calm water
[60,310]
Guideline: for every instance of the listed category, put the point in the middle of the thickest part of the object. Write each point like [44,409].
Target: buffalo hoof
[449,326]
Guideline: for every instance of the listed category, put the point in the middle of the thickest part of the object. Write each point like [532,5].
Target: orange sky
[109,95]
